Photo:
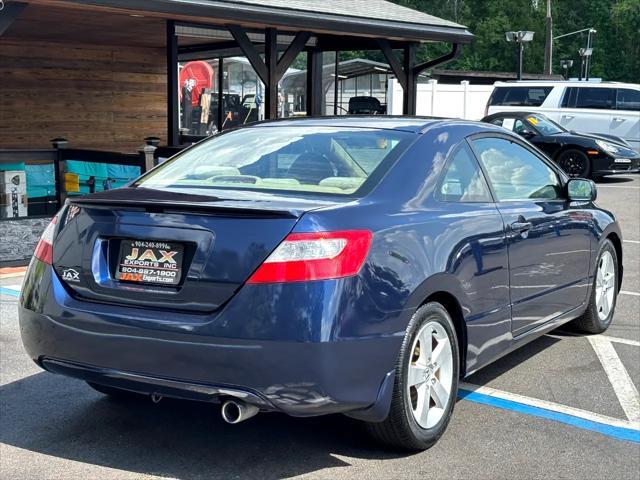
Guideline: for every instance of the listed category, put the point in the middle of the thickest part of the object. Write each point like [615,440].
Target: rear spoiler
[228,209]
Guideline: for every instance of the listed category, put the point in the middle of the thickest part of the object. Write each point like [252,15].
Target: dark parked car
[582,155]
[356,265]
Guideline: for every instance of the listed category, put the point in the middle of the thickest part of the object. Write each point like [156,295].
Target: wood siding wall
[96,96]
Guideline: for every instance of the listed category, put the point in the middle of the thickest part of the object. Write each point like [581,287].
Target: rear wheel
[575,163]
[604,292]
[426,382]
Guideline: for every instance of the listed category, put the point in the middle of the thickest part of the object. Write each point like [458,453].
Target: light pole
[548,42]
[520,37]
[585,53]
[590,50]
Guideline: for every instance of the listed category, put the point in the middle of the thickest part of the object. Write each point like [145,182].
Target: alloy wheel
[574,165]
[605,285]
[430,374]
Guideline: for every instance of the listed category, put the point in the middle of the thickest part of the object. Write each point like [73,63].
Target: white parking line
[626,341]
[627,292]
[617,186]
[631,241]
[621,382]
[554,407]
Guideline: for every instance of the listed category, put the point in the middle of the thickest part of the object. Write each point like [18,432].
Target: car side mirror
[582,190]
[526,134]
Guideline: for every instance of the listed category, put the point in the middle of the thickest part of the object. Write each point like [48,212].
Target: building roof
[379,9]
[369,18]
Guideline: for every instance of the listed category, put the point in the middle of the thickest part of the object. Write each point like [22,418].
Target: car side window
[627,99]
[569,98]
[594,97]
[516,173]
[462,179]
[519,126]
[519,96]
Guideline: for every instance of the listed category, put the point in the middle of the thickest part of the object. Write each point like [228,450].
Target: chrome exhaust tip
[235,412]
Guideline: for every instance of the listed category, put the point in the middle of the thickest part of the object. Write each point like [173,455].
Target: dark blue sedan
[315,266]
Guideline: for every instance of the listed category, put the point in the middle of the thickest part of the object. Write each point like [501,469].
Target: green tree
[616,45]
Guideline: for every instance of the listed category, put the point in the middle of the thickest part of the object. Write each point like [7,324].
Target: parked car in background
[604,108]
[578,154]
[285,267]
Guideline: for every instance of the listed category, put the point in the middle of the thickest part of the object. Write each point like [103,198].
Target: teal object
[85,170]
[11,166]
[122,174]
[119,174]
[40,180]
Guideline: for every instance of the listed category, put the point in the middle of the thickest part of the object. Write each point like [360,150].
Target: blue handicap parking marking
[10,291]
[618,432]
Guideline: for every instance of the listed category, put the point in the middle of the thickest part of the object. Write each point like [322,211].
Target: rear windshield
[334,160]
[519,96]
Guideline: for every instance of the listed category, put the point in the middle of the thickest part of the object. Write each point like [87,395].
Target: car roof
[568,83]
[387,122]
[520,113]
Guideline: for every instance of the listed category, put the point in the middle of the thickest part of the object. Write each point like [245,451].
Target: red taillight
[315,256]
[44,248]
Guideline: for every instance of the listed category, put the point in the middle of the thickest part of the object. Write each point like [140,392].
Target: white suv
[606,108]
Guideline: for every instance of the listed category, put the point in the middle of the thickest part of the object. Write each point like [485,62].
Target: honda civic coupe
[356,265]
[583,155]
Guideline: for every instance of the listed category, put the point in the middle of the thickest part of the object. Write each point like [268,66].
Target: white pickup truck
[605,108]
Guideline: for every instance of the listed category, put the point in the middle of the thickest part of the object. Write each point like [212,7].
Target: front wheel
[426,382]
[604,293]
[575,164]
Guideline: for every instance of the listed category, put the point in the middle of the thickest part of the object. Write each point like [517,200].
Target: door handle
[568,117]
[618,119]
[521,226]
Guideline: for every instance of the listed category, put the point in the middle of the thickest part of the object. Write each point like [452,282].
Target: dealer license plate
[153,262]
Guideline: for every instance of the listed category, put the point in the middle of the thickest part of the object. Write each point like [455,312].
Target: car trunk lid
[176,250]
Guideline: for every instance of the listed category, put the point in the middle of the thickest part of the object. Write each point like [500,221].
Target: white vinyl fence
[443,100]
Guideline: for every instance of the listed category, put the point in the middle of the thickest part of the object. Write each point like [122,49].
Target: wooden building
[95,71]
[107,74]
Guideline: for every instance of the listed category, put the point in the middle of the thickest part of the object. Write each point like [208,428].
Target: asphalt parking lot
[564,406]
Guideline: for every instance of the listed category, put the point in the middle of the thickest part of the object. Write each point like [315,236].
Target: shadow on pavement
[63,417]
[614,179]
[58,416]
[512,360]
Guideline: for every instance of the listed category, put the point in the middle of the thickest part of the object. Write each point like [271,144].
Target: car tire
[408,426]
[115,393]
[575,163]
[604,292]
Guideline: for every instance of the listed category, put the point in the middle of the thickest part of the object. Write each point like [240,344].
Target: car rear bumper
[300,378]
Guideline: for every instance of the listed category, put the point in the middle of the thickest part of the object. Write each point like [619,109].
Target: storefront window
[242,95]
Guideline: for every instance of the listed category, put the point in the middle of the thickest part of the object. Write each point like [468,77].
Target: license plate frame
[150,262]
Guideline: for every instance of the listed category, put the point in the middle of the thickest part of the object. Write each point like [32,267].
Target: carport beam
[409,97]
[314,82]
[271,86]
[173,110]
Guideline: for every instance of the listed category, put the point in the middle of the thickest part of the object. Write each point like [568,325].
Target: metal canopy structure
[271,33]
[373,18]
